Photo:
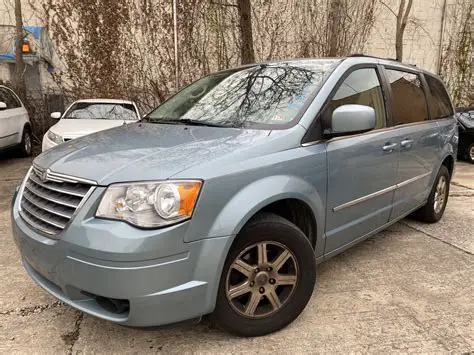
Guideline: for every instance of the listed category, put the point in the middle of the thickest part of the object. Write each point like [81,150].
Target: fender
[263,192]
[448,141]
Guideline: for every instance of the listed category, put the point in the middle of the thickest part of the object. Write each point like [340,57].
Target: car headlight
[150,204]
[56,138]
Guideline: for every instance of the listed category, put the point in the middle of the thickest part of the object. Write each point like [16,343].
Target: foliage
[458,52]
[124,48]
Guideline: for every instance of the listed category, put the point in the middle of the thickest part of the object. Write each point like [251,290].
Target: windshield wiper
[183,121]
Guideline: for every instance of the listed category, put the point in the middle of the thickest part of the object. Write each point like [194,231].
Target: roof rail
[371,56]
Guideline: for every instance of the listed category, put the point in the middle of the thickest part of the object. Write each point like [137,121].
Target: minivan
[223,199]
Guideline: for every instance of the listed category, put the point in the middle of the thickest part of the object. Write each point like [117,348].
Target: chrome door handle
[406,143]
[389,147]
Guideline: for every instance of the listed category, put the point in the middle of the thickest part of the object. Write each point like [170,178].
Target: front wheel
[268,278]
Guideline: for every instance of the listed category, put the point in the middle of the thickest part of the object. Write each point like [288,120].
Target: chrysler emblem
[44,175]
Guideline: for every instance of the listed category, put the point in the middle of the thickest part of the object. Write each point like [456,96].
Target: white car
[15,128]
[89,116]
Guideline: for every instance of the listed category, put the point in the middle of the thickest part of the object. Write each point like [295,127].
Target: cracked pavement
[407,289]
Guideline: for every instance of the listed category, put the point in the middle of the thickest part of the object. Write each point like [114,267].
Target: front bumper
[163,279]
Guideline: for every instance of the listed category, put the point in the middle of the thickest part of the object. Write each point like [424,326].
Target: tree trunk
[245,18]
[19,63]
[334,23]
[402,19]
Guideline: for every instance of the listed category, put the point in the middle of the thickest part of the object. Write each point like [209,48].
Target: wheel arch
[282,195]
[448,162]
[295,211]
[27,126]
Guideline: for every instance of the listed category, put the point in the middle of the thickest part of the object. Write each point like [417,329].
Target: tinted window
[440,103]
[103,111]
[361,87]
[408,102]
[9,98]
[270,94]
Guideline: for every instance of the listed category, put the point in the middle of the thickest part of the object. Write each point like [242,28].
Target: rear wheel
[437,200]
[268,278]
[26,143]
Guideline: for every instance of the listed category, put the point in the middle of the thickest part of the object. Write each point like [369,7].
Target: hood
[144,151]
[73,128]
[466,119]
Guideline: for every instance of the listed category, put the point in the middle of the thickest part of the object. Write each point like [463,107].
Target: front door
[361,168]
[418,137]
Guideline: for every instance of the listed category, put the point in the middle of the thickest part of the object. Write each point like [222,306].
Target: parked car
[224,198]
[88,116]
[465,117]
[15,128]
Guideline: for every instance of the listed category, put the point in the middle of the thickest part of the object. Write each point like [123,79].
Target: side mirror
[56,115]
[352,119]
[3,105]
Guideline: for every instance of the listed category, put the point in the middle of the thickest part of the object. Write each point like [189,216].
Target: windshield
[102,111]
[260,96]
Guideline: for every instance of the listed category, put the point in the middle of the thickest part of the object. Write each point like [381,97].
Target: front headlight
[150,204]
[56,138]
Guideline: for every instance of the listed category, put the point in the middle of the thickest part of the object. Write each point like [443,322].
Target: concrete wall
[422,34]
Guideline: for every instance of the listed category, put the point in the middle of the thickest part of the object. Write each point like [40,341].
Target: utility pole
[176,62]
[19,63]
[441,33]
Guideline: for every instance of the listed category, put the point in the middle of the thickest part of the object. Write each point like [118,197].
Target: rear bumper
[162,279]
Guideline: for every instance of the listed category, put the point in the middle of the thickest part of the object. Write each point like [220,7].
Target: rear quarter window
[440,105]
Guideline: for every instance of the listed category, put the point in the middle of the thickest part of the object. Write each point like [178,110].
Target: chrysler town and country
[223,199]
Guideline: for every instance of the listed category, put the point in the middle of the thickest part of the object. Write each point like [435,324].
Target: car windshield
[102,111]
[261,96]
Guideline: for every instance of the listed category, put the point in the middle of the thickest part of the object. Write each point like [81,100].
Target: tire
[470,153]
[431,212]
[26,143]
[282,238]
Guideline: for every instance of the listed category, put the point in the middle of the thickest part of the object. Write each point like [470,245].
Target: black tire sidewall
[293,238]
[26,132]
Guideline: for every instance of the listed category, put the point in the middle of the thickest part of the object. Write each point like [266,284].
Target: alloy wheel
[440,194]
[261,279]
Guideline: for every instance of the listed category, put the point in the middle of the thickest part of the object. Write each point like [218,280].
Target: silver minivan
[223,199]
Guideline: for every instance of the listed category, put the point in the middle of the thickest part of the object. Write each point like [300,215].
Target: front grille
[49,200]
